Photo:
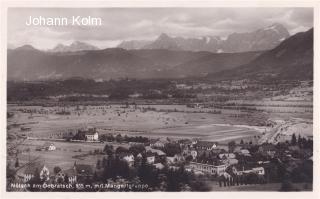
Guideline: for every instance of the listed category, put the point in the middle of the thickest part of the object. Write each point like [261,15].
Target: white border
[159,3]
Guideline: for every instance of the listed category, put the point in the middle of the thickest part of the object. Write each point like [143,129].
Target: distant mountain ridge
[73,47]
[292,59]
[28,64]
[259,40]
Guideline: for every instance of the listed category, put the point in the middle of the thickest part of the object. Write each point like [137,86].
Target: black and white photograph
[159,99]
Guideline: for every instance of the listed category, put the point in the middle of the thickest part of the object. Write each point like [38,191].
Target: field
[146,121]
[64,156]
[153,121]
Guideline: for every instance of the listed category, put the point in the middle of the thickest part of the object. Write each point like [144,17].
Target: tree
[17,163]
[66,179]
[98,165]
[189,158]
[299,141]
[231,146]
[121,149]
[118,138]
[108,149]
[136,149]
[56,169]
[293,139]
[172,149]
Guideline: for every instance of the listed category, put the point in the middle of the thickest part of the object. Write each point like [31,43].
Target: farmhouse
[208,168]
[91,134]
[36,168]
[49,146]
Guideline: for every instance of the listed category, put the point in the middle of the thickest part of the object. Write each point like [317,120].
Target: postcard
[159,98]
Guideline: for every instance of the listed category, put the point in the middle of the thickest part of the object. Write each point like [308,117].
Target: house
[170,160]
[186,143]
[194,154]
[49,146]
[157,151]
[91,134]
[230,161]
[246,170]
[244,152]
[150,157]
[258,170]
[136,144]
[175,168]
[158,144]
[227,155]
[228,158]
[175,159]
[188,151]
[139,155]
[208,168]
[36,168]
[129,158]
[267,149]
[205,145]
[159,166]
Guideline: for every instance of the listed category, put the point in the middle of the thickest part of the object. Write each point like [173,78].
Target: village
[162,163]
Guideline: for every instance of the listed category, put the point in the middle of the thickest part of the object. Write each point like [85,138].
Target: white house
[92,136]
[47,146]
[159,166]
[129,158]
[193,153]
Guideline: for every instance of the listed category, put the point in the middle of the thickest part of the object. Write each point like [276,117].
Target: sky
[119,24]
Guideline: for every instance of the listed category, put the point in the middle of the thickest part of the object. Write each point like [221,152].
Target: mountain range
[292,58]
[28,63]
[73,47]
[258,40]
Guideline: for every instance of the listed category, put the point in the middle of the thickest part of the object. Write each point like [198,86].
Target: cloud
[146,23]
